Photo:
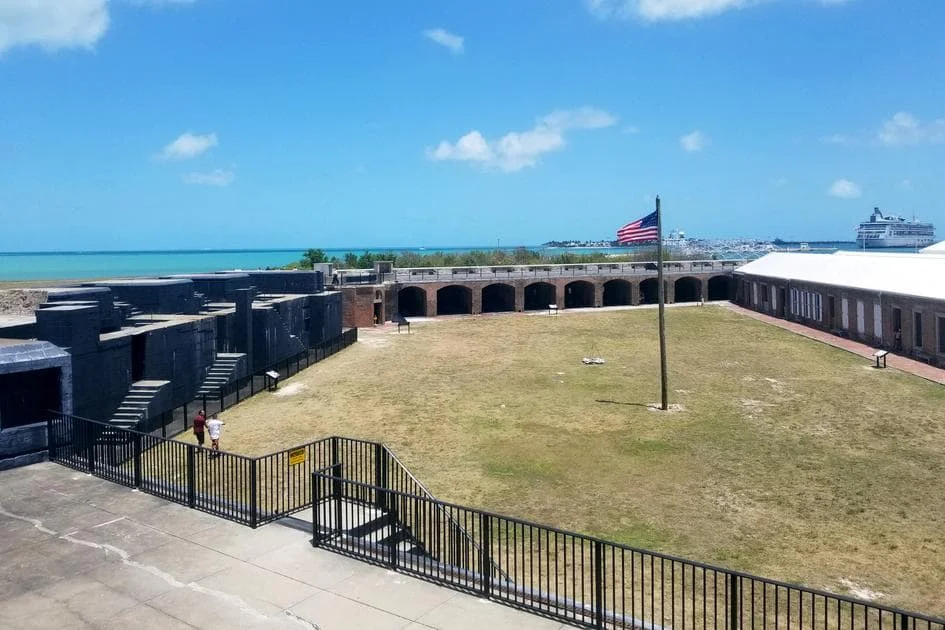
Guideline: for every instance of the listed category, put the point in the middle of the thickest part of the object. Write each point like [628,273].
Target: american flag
[639,231]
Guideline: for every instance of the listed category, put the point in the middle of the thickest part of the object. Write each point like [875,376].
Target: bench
[272,380]
[403,321]
[880,354]
[552,309]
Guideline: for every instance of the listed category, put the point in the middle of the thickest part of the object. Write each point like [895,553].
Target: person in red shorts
[200,425]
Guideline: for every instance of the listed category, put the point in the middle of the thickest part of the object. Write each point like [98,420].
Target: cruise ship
[893,231]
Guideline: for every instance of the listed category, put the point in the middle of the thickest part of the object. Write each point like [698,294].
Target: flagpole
[659,278]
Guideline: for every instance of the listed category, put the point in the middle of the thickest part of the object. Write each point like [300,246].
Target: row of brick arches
[457,299]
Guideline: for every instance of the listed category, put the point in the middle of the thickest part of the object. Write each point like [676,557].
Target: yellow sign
[296,456]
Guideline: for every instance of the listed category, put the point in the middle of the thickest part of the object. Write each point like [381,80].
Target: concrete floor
[80,552]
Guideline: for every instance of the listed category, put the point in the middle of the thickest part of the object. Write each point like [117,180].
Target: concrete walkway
[901,363]
[80,552]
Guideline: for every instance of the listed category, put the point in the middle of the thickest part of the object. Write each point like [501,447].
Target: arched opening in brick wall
[454,300]
[579,294]
[617,293]
[539,295]
[688,289]
[412,302]
[720,288]
[649,291]
[498,298]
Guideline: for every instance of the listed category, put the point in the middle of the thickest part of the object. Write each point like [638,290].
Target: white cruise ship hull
[879,242]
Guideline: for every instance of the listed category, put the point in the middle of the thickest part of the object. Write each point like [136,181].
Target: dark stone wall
[287,281]
[222,287]
[170,296]
[109,317]
[19,331]
[273,327]
[181,354]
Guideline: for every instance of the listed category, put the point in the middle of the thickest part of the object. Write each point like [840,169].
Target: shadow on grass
[629,404]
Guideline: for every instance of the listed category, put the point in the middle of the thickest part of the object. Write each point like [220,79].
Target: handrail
[655,554]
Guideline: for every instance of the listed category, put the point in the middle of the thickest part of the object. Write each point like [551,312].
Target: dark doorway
[579,294]
[688,289]
[412,302]
[649,291]
[498,298]
[917,330]
[618,293]
[27,397]
[720,288]
[831,312]
[454,300]
[782,298]
[378,313]
[539,295]
[138,348]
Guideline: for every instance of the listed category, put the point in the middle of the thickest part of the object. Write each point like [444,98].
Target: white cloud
[217,177]
[779,182]
[904,129]
[188,146]
[844,189]
[662,10]
[631,129]
[446,39]
[906,184]
[695,141]
[59,24]
[520,149]
[52,24]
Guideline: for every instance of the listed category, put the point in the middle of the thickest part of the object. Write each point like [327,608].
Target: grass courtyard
[787,458]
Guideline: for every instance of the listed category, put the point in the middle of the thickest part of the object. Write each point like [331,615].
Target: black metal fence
[568,576]
[180,418]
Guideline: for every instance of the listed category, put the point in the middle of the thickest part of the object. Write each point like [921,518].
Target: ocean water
[87,265]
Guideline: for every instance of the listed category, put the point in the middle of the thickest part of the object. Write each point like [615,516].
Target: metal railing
[512,272]
[180,418]
[576,578]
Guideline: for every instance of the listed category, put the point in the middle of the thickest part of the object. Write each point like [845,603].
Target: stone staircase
[127,310]
[134,408]
[221,373]
[367,524]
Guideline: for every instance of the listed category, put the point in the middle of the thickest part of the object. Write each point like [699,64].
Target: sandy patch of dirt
[861,592]
[21,301]
[290,390]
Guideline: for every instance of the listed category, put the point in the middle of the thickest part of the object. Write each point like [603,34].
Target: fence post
[733,604]
[185,416]
[598,584]
[485,553]
[136,445]
[222,398]
[336,496]
[50,439]
[316,517]
[380,475]
[253,495]
[191,476]
[90,447]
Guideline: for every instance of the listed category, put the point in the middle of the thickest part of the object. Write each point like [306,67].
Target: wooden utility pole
[659,276]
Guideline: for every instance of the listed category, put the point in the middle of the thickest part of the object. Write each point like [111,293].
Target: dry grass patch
[786,457]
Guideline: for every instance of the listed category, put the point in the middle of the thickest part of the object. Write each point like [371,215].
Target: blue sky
[129,124]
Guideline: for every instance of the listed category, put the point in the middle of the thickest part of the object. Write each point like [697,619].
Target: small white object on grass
[592,361]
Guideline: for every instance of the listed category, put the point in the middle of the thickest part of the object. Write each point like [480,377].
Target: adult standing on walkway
[215,427]
[200,424]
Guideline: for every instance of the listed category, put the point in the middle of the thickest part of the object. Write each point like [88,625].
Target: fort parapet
[379,295]
[129,350]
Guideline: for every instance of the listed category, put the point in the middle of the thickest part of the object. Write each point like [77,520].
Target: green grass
[789,458]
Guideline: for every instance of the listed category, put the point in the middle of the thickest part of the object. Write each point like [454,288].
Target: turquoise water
[85,265]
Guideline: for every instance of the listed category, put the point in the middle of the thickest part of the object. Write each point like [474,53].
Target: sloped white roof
[918,275]
[935,248]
